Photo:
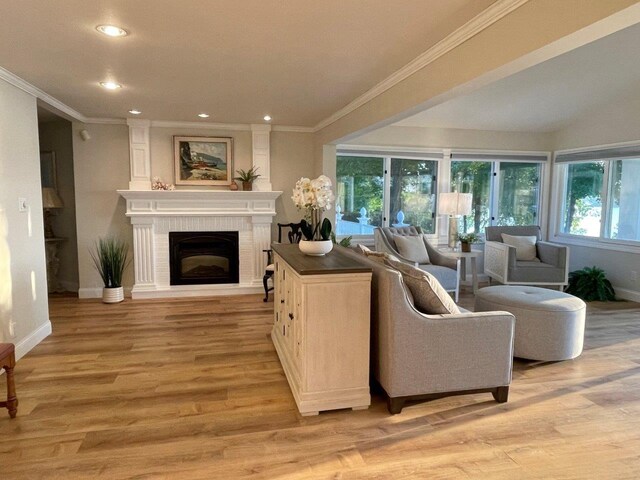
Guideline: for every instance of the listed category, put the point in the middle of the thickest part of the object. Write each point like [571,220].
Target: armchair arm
[455,352]
[552,253]
[498,258]
[437,258]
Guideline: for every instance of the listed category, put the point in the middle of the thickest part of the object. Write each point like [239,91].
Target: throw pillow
[379,257]
[525,246]
[412,248]
[428,295]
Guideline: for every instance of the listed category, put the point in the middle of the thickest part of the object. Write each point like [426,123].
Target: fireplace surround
[155,214]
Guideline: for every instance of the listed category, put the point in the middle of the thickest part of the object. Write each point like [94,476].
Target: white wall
[56,136]
[24,310]
[398,136]
[617,121]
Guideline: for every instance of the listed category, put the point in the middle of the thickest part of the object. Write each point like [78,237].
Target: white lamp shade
[454,203]
[51,199]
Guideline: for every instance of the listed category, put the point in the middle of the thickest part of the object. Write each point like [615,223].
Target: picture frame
[48,175]
[203,160]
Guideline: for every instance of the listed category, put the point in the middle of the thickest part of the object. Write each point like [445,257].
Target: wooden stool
[8,361]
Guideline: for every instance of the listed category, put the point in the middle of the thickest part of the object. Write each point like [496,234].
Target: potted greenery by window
[110,259]
[314,197]
[466,239]
[247,177]
[590,283]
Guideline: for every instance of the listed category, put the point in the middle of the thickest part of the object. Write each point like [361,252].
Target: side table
[472,255]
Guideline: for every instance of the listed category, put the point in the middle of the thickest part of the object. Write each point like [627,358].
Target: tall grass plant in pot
[111,257]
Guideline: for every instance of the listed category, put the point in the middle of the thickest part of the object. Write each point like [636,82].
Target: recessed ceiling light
[203,115]
[110,85]
[112,30]
[267,118]
[135,112]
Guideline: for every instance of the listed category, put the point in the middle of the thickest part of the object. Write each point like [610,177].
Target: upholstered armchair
[445,269]
[549,267]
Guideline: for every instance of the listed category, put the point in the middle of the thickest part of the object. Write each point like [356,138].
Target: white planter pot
[316,248]
[112,295]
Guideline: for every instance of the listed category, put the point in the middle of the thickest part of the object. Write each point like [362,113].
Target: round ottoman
[549,324]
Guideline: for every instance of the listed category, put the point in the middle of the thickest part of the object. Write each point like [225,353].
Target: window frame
[560,171]
[427,154]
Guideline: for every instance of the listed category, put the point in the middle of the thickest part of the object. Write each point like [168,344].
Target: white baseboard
[174,291]
[626,294]
[25,345]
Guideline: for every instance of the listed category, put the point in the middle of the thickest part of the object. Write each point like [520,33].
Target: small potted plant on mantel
[466,239]
[110,259]
[247,177]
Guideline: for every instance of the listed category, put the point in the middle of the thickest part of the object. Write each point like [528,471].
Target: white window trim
[558,198]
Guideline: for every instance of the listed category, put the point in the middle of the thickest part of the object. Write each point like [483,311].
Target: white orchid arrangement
[158,184]
[314,197]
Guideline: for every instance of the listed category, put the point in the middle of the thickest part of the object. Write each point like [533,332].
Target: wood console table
[321,328]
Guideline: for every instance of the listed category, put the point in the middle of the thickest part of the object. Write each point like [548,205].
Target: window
[599,195]
[504,191]
[374,191]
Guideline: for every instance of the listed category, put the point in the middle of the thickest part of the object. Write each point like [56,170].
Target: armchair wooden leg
[501,394]
[265,283]
[12,400]
[395,405]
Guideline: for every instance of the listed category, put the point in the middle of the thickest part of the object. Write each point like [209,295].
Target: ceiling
[297,60]
[550,95]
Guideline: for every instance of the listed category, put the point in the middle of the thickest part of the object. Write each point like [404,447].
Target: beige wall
[56,136]
[161,144]
[101,166]
[398,136]
[24,310]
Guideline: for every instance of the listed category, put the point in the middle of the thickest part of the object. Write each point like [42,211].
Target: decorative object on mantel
[454,204]
[314,197]
[158,184]
[50,200]
[203,160]
[110,259]
[233,186]
[247,177]
[466,239]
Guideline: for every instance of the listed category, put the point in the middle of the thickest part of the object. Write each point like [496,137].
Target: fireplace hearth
[202,258]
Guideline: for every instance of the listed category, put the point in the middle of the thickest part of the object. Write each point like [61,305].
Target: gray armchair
[500,261]
[445,269]
[418,357]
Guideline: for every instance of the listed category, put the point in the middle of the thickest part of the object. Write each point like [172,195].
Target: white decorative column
[262,156]
[261,242]
[144,254]
[139,154]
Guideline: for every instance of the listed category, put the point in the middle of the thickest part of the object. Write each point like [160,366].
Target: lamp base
[453,232]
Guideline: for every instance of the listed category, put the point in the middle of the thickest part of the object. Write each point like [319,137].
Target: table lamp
[454,204]
[50,200]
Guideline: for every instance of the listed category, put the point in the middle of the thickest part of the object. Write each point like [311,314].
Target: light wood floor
[192,389]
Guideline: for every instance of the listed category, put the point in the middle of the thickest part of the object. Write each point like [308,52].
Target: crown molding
[293,128]
[25,86]
[106,121]
[202,125]
[484,19]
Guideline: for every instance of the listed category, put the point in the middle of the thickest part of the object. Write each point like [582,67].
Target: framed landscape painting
[203,160]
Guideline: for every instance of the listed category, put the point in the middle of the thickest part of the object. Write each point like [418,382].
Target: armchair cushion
[428,295]
[412,247]
[525,246]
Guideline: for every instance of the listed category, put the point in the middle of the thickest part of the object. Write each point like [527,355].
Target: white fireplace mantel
[155,213]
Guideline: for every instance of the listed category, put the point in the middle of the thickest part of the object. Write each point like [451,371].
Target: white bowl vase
[316,248]
[112,295]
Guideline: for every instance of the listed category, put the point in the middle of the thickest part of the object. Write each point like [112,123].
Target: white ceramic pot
[112,295]
[316,248]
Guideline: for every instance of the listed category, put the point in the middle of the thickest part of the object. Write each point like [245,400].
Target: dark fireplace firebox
[197,258]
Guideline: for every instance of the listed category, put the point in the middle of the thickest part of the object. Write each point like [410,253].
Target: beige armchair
[500,263]
[417,357]
[445,269]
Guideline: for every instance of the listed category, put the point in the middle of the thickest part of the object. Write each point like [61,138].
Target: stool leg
[12,400]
